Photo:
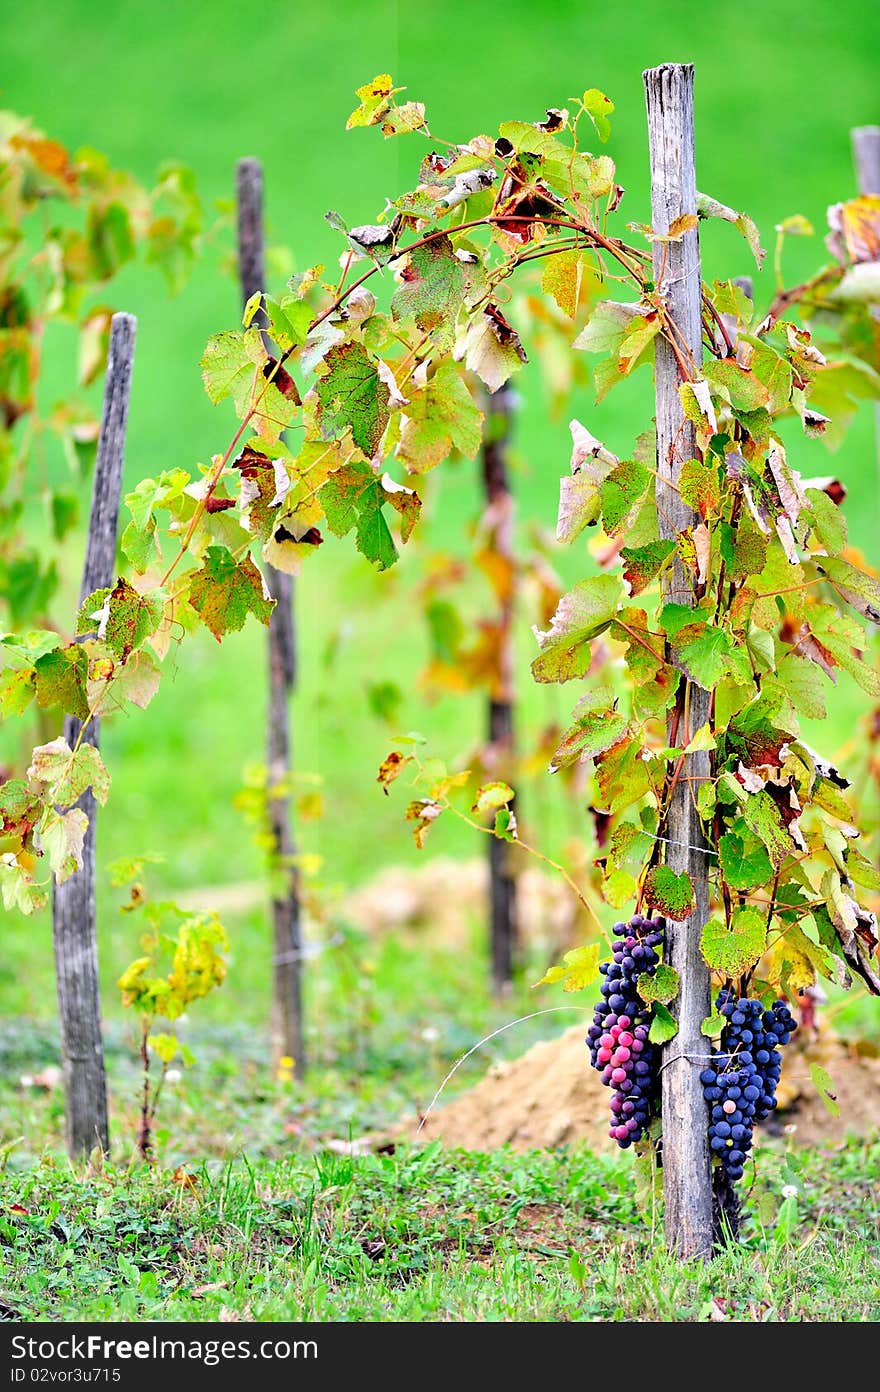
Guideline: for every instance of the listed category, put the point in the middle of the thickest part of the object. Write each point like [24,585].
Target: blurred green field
[779,86]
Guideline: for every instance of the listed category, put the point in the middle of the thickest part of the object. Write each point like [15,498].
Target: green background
[778,87]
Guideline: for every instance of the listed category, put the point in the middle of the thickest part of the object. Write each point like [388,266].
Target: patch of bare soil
[551,1097]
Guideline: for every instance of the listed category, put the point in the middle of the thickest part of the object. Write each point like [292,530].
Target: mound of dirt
[551,1097]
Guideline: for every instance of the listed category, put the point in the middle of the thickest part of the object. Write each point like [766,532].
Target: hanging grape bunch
[741,1080]
[618,1037]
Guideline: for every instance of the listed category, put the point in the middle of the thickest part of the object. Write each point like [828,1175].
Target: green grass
[428,1235]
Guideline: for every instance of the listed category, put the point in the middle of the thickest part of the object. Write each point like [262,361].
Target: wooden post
[287,1023]
[686,1170]
[499,499]
[866,152]
[73,906]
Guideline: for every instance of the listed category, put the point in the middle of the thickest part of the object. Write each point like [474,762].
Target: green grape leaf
[599,108]
[597,727]
[61,679]
[581,615]
[354,497]
[224,591]
[824,1085]
[642,564]
[663,986]
[491,797]
[62,836]
[663,1026]
[671,894]
[505,825]
[18,890]
[289,321]
[64,774]
[229,367]
[745,863]
[713,1025]
[702,652]
[353,396]
[827,521]
[621,494]
[742,388]
[801,680]
[858,589]
[578,970]
[699,487]
[439,418]
[733,951]
[763,817]
[434,284]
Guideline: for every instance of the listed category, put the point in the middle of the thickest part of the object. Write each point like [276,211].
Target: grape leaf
[375,102]
[713,1025]
[492,348]
[354,497]
[621,493]
[224,591]
[229,367]
[860,590]
[581,615]
[20,809]
[423,812]
[733,951]
[763,817]
[702,652]
[62,836]
[741,388]
[439,418]
[434,283]
[60,680]
[669,893]
[699,487]
[597,727]
[562,278]
[745,863]
[578,970]
[353,396]
[120,616]
[662,986]
[642,564]
[824,1085]
[491,797]
[65,774]
[663,1026]
[598,107]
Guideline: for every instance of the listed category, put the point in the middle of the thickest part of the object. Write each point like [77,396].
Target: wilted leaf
[491,797]
[392,768]
[224,591]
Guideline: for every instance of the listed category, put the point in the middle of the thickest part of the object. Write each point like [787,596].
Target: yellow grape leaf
[578,970]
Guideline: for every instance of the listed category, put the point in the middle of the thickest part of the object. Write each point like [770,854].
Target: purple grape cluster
[740,1082]
[618,1037]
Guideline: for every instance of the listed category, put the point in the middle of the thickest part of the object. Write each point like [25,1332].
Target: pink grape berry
[728,1106]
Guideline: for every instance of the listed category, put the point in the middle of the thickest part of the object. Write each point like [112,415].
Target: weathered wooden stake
[73,907]
[686,1172]
[866,152]
[502,878]
[287,1023]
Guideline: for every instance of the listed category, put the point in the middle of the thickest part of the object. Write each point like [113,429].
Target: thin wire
[551,1010]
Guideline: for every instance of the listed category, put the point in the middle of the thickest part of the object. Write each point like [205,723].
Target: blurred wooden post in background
[687,1184]
[866,153]
[499,525]
[73,906]
[287,1023]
